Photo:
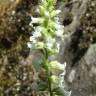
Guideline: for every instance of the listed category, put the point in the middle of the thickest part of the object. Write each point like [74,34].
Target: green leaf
[42,86]
[59,91]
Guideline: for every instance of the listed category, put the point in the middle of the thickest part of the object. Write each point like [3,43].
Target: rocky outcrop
[78,48]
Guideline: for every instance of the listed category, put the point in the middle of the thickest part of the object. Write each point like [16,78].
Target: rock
[78,49]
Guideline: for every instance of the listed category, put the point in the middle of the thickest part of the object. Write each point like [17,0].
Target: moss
[88,21]
[14,35]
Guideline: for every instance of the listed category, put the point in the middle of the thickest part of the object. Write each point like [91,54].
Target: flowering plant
[47,37]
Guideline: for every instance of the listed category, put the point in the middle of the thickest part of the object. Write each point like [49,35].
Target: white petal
[36,34]
[29,45]
[59,30]
[47,14]
[36,20]
[59,33]
[50,43]
[58,11]
[61,66]
[57,47]
[30,24]
[56,19]
[33,39]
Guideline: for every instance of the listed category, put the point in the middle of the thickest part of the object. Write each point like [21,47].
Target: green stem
[49,84]
[48,74]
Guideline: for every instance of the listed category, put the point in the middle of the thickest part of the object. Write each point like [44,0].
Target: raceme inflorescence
[46,37]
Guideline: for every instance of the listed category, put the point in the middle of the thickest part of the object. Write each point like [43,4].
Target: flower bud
[54,81]
[56,68]
[40,45]
[55,12]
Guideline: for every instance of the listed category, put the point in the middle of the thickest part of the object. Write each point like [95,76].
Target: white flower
[47,14]
[59,30]
[32,39]
[36,34]
[50,43]
[57,47]
[56,19]
[56,67]
[58,11]
[54,78]
[30,24]
[55,81]
[59,33]
[30,45]
[39,29]
[61,76]
[61,66]
[61,81]
[36,20]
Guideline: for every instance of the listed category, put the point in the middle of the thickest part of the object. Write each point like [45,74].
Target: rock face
[79,48]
